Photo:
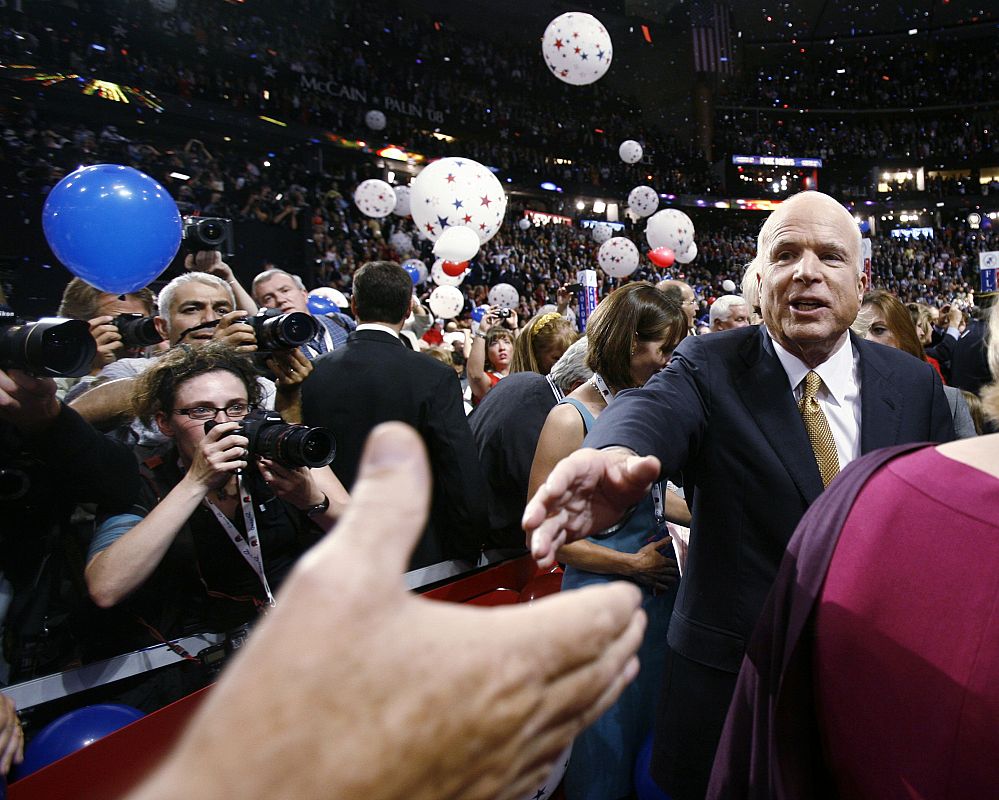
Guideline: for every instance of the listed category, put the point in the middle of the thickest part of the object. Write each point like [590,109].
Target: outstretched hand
[588,491]
[381,694]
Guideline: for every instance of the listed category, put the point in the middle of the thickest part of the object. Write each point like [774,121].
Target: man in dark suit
[758,420]
[374,378]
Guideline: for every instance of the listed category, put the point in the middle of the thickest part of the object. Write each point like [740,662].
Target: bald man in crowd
[684,295]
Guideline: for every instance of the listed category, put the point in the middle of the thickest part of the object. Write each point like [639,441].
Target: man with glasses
[214,526]
[684,296]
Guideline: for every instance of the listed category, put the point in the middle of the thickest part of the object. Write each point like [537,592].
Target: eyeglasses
[233,411]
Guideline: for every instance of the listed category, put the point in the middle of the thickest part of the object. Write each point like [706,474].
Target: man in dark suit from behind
[374,378]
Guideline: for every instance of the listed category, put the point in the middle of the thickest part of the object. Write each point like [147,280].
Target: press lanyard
[249,545]
[657,493]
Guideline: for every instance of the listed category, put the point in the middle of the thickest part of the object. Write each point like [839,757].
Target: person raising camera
[216,523]
[492,351]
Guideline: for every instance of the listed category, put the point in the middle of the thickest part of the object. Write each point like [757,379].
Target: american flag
[711,30]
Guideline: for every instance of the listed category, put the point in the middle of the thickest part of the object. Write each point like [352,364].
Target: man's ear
[862,285]
[161,327]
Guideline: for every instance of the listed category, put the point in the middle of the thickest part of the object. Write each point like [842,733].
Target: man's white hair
[165,299]
[721,309]
[267,274]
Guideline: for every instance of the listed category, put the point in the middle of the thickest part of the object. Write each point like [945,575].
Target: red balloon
[454,268]
[662,257]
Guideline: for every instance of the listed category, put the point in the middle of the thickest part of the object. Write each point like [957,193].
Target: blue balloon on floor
[645,787]
[321,305]
[73,731]
[112,226]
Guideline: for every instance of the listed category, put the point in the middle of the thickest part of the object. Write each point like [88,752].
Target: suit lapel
[880,400]
[764,390]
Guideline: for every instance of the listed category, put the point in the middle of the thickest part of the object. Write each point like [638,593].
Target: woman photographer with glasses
[215,527]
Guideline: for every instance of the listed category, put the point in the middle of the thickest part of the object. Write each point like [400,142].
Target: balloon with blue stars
[457,192]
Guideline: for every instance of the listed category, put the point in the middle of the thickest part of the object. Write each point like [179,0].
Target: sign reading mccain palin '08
[330,87]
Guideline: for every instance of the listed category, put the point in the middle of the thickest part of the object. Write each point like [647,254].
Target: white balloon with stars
[630,151]
[670,228]
[618,257]
[551,783]
[457,191]
[577,48]
[374,198]
[602,232]
[401,200]
[643,200]
[504,295]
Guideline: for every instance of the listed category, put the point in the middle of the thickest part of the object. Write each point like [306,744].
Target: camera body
[53,347]
[209,233]
[504,313]
[136,330]
[289,445]
[277,331]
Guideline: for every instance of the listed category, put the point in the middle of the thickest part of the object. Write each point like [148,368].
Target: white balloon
[441,278]
[688,255]
[401,200]
[618,257]
[457,243]
[524,223]
[375,120]
[504,295]
[577,48]
[374,198]
[419,265]
[454,192]
[643,200]
[630,151]
[331,294]
[670,228]
[602,232]
[551,783]
[728,285]
[446,302]
[402,242]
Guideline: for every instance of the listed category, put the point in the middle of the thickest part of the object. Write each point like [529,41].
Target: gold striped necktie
[817,426]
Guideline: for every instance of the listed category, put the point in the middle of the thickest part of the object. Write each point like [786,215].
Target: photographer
[492,351]
[215,522]
[107,315]
[276,288]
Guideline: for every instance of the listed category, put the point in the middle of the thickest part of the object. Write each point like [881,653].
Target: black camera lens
[296,445]
[284,331]
[56,348]
[137,330]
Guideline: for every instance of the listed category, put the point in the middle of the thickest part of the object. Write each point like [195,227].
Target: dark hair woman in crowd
[489,361]
[884,319]
[191,537]
[631,336]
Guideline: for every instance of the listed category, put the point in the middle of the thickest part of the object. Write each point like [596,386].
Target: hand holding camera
[235,330]
[222,453]
[293,485]
[27,402]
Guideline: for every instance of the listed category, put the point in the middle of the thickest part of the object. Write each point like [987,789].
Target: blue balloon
[645,787]
[413,272]
[321,305]
[986,223]
[865,226]
[74,731]
[112,226]
[478,313]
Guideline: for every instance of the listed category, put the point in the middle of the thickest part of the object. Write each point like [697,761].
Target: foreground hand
[377,693]
[27,402]
[588,491]
[11,736]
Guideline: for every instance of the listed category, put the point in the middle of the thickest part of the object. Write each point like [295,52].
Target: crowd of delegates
[511,114]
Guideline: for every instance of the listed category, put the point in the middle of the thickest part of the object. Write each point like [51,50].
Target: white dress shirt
[375,326]
[838,396]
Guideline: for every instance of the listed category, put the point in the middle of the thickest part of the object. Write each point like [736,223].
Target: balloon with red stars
[401,201]
[670,228]
[602,232]
[454,192]
[375,198]
[618,257]
[577,48]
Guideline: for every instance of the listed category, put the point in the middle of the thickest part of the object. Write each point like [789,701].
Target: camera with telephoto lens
[289,445]
[137,330]
[54,347]
[209,233]
[277,331]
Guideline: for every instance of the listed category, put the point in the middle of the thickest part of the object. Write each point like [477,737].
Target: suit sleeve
[665,418]
[941,417]
[458,480]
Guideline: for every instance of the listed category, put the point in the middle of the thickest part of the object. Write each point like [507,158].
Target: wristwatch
[319,508]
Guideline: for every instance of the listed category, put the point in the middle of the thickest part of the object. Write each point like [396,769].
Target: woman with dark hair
[630,337]
[542,342]
[210,516]
[884,319]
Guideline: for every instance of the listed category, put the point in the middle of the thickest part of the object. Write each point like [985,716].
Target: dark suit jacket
[969,368]
[374,378]
[724,415]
